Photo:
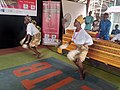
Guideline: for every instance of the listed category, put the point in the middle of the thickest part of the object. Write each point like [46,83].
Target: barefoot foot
[38,55]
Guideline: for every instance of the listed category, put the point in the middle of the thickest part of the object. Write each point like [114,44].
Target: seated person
[116,30]
[116,39]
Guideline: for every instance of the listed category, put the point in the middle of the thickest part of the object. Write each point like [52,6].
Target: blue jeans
[104,37]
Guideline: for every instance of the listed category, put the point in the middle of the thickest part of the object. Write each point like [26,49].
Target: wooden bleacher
[102,50]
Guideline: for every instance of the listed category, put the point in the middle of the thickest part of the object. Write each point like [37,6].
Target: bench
[102,50]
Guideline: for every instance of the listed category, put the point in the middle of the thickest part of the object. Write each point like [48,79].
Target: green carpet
[11,60]
[49,74]
[16,59]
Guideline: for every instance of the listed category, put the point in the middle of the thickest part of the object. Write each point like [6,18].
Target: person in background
[33,36]
[116,39]
[105,25]
[116,30]
[96,24]
[82,40]
[88,21]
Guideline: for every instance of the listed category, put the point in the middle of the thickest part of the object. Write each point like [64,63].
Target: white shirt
[117,37]
[82,37]
[31,29]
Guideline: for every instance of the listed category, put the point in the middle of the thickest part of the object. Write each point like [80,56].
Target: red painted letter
[29,84]
[26,70]
[60,84]
[85,87]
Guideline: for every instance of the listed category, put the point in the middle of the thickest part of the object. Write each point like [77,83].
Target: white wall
[75,9]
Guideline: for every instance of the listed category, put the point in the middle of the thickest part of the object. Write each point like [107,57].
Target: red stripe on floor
[86,88]
[15,50]
[11,50]
[60,84]
[29,84]
[26,70]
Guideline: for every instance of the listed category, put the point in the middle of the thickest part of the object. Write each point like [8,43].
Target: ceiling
[100,5]
[78,1]
[97,5]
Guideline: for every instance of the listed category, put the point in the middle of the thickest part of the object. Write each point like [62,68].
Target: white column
[112,19]
[101,7]
[112,22]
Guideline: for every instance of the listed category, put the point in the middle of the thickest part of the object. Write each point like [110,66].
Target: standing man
[105,25]
[82,40]
[88,21]
[96,24]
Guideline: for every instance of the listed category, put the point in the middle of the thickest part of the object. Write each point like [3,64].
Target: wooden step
[69,31]
[104,60]
[106,49]
[104,54]
[107,43]
[102,50]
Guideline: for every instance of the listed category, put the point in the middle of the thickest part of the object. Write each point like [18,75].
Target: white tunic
[31,29]
[82,37]
[117,37]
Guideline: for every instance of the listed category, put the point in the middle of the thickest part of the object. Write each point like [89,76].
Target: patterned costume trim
[80,53]
[35,41]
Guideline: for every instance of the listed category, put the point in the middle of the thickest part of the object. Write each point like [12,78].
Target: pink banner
[18,7]
[51,19]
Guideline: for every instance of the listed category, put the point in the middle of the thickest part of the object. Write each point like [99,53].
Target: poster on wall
[50,22]
[18,7]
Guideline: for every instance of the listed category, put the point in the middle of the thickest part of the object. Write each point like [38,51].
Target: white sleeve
[72,38]
[29,29]
[114,38]
[89,40]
